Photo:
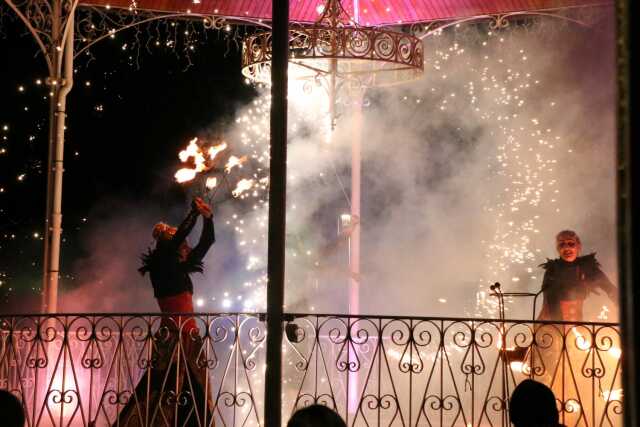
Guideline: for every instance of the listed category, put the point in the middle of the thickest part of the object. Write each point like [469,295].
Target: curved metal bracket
[498,22]
[209,22]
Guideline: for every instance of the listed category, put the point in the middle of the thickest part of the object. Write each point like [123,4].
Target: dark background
[129,113]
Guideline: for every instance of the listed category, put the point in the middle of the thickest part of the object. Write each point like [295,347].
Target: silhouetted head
[533,404]
[163,232]
[316,416]
[11,410]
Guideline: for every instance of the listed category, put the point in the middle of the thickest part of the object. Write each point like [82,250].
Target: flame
[200,162]
[211,183]
[213,151]
[191,150]
[233,162]
[185,175]
[200,159]
[243,185]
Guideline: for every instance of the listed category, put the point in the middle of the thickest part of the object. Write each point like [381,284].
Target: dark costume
[174,389]
[567,284]
[565,287]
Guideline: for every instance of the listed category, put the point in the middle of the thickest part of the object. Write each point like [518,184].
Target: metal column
[61,82]
[277,213]
[354,236]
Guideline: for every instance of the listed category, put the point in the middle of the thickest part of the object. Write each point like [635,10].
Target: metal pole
[48,209]
[54,76]
[354,240]
[277,213]
[61,82]
[354,235]
[333,71]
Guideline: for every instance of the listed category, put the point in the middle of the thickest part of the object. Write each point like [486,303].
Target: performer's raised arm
[185,227]
[170,238]
[207,236]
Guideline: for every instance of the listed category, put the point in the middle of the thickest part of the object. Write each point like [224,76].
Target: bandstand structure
[81,369]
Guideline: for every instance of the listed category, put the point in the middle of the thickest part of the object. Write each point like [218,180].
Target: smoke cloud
[467,175]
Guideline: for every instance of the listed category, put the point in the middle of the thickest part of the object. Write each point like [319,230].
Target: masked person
[173,388]
[569,279]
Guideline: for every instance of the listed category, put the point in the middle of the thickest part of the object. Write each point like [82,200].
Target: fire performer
[174,388]
[568,280]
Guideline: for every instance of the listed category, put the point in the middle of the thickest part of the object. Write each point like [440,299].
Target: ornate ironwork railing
[206,369]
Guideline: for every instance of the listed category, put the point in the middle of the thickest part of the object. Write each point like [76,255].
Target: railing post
[277,212]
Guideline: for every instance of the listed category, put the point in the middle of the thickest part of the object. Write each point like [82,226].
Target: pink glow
[370,12]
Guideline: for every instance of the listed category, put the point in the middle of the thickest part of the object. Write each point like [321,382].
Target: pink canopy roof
[365,12]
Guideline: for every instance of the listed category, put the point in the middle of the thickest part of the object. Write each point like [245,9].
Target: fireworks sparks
[243,185]
[524,159]
[250,163]
[213,151]
[241,168]
[514,246]
[234,162]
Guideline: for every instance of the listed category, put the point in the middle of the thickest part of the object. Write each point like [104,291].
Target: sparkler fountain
[344,58]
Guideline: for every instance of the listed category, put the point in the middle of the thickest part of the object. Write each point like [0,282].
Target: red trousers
[181,303]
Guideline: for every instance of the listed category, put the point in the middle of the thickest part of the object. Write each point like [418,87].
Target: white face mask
[568,248]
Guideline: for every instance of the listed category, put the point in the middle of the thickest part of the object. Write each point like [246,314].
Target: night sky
[129,113]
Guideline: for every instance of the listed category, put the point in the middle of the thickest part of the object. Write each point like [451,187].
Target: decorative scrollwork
[207,357]
[387,403]
[304,400]
[235,399]
[438,403]
[368,55]
[499,22]
[62,397]
[407,371]
[214,22]
[113,397]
